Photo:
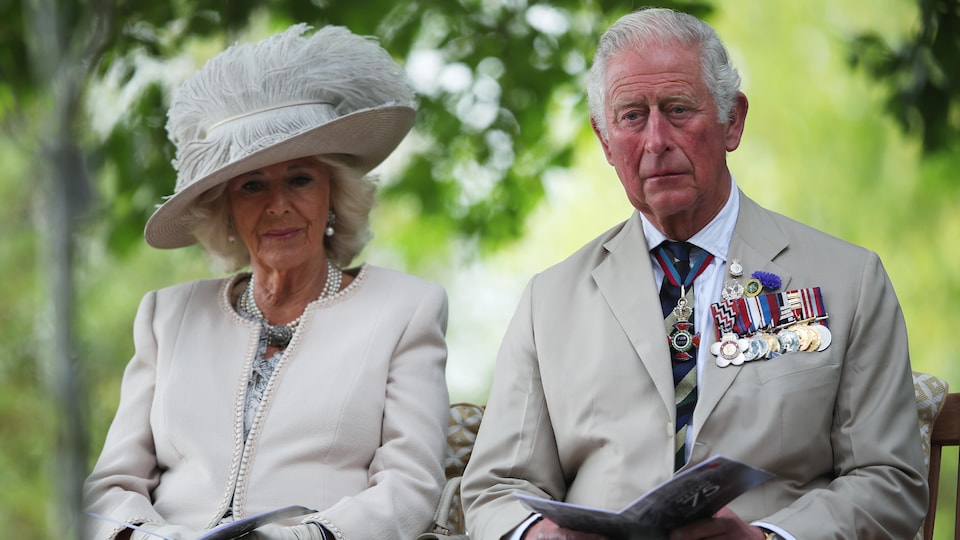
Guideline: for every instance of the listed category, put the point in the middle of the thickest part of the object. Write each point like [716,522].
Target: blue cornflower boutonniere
[768,280]
[760,281]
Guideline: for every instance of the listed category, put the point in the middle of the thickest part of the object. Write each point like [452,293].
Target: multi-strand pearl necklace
[279,335]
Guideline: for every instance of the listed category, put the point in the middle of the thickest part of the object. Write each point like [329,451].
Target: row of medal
[763,326]
[764,345]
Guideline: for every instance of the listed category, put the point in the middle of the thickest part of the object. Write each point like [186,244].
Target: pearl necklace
[279,335]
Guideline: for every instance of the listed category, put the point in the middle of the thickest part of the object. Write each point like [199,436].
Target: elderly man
[702,325]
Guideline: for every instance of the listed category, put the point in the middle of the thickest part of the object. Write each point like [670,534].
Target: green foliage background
[823,144]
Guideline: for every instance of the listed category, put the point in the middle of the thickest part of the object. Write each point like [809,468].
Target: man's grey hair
[352,197]
[648,26]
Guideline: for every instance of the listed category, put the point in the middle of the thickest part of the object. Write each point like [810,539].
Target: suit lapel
[624,278]
[757,241]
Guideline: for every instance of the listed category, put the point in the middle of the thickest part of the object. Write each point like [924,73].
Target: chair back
[945,432]
[448,521]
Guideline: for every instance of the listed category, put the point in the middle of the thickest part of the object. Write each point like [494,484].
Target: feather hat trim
[289,96]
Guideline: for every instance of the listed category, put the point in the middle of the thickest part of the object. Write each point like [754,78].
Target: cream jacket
[582,405]
[353,421]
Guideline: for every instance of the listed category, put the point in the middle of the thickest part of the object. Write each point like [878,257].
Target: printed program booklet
[696,493]
[234,529]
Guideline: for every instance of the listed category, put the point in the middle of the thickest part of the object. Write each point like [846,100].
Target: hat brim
[365,138]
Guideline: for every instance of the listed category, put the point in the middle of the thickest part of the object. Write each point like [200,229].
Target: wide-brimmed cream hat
[289,96]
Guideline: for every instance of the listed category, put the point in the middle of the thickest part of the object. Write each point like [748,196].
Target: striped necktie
[674,258]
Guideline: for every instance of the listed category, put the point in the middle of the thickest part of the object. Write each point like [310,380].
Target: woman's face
[280,213]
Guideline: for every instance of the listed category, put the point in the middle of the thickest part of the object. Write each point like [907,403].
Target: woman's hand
[548,530]
[723,525]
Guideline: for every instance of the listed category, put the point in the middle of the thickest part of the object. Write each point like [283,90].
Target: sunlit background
[819,146]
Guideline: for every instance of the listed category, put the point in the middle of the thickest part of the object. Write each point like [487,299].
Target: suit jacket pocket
[798,392]
[803,368]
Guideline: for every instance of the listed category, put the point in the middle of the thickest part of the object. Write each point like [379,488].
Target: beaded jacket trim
[243,454]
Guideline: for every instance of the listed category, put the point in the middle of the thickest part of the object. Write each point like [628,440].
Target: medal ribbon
[744,325]
[744,316]
[724,315]
[671,273]
[787,314]
[812,304]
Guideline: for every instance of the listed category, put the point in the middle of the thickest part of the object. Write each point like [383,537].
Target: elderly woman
[302,382]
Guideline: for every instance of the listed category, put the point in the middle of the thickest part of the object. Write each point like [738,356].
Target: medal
[756,348]
[789,340]
[736,269]
[825,336]
[773,345]
[732,290]
[681,335]
[805,335]
[729,350]
[682,338]
[762,345]
[815,339]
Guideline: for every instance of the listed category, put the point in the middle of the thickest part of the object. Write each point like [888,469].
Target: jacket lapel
[757,241]
[625,279]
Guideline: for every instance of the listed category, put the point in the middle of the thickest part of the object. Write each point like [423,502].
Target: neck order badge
[676,295]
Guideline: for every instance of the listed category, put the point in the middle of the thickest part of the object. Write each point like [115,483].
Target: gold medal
[773,344]
[825,336]
[804,334]
[815,338]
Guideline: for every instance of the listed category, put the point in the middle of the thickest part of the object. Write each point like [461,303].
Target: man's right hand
[162,530]
[548,530]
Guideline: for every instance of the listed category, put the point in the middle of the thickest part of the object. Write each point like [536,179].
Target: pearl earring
[331,221]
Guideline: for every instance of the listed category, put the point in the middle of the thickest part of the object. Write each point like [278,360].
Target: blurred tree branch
[486,136]
[922,75]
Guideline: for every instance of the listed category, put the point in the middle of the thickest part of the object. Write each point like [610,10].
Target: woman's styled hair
[352,197]
[664,26]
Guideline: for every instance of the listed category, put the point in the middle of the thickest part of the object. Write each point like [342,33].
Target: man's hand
[548,530]
[272,531]
[163,530]
[723,525]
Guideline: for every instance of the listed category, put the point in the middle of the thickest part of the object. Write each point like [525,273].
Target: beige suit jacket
[353,422]
[582,403]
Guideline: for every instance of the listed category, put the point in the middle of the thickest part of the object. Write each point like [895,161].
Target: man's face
[664,137]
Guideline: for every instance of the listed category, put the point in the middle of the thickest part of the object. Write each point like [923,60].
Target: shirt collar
[714,237]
